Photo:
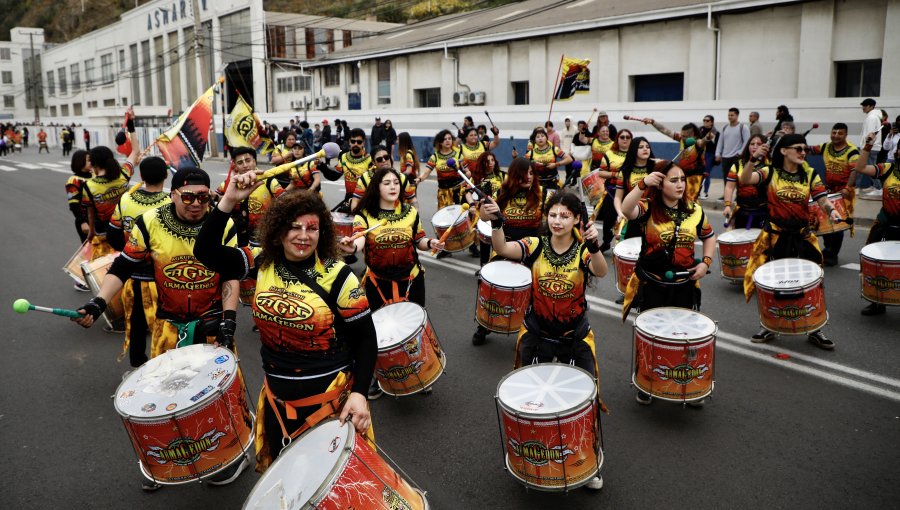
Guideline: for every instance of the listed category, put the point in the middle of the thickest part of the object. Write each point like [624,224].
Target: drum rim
[631,240]
[460,218]
[732,243]
[574,409]
[862,255]
[517,267]
[677,340]
[419,329]
[814,283]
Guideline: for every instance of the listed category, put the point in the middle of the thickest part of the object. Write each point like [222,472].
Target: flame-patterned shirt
[130,207]
[788,194]
[302,176]
[353,167]
[540,158]
[838,164]
[407,189]
[750,196]
[103,194]
[670,245]
[691,161]
[391,247]
[889,174]
[73,194]
[637,173]
[254,207]
[447,177]
[470,155]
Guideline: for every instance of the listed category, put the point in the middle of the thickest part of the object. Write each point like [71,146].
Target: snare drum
[461,232]
[594,187]
[790,296]
[821,223]
[504,292]
[343,224]
[484,231]
[331,467]
[550,427]
[735,248]
[94,272]
[625,257]
[73,266]
[674,354]
[879,277]
[186,413]
[410,358]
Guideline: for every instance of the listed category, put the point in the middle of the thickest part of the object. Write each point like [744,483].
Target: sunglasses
[357,142]
[624,137]
[381,159]
[188,197]
[799,148]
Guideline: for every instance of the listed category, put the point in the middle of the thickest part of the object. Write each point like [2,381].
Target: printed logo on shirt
[286,306]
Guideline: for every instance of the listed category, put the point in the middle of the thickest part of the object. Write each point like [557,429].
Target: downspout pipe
[709,26]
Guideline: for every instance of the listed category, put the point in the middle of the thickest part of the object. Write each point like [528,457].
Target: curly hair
[439,139]
[277,222]
[515,177]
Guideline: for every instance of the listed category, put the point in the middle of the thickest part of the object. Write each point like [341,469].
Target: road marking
[809,365]
[51,165]
[27,166]
[853,265]
[9,169]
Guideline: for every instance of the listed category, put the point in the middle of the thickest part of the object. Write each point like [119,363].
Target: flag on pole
[185,142]
[575,78]
[244,129]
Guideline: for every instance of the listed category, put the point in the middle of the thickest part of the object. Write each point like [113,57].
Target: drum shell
[412,365]
[501,308]
[343,224]
[183,438]
[73,266]
[734,257]
[879,280]
[247,289]
[822,221]
[484,231]
[94,272]
[674,370]
[461,236]
[792,311]
[594,186]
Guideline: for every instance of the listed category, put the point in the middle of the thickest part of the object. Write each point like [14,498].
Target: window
[92,104]
[122,66]
[89,72]
[135,81]
[303,83]
[5,54]
[64,110]
[428,98]
[51,83]
[75,73]
[160,71]
[7,77]
[319,41]
[109,102]
[53,111]
[384,82]
[332,76]
[347,38]
[77,109]
[354,73]
[61,75]
[520,92]
[861,78]
[658,87]
[9,101]
[106,68]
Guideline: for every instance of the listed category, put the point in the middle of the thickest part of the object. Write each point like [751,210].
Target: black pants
[137,337]
[607,215]
[883,232]
[416,291]
[536,349]
[655,295]
[833,243]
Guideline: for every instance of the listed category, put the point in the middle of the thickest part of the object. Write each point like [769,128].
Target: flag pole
[555,84]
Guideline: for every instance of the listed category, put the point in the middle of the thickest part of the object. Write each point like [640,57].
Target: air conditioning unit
[335,101]
[326,101]
[296,105]
[460,98]
[320,103]
[476,97]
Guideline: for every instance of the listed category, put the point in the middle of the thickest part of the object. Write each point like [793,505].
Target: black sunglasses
[357,142]
[188,197]
[381,159]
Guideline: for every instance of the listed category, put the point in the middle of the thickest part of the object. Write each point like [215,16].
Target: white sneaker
[595,483]
[875,194]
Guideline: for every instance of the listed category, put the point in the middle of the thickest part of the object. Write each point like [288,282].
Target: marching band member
[840,158]
[470,152]
[749,208]
[546,158]
[247,214]
[608,165]
[632,170]
[450,184]
[789,186]
[488,177]
[382,159]
[81,172]
[353,164]
[691,154]
[283,150]
[305,176]
[666,273]
[324,367]
[409,158]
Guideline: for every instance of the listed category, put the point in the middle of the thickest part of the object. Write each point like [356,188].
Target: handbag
[581,152]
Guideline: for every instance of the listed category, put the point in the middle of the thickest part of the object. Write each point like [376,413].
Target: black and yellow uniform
[751,210]
[139,296]
[247,214]
[353,167]
[490,183]
[450,184]
[548,177]
[887,222]
[407,190]
[302,176]
[609,161]
[693,162]
[74,187]
[469,155]
[101,195]
[521,220]
[393,271]
[410,168]
[666,246]
[626,181]
[838,166]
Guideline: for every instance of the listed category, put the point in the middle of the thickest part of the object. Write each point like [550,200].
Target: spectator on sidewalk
[865,184]
[755,126]
[709,126]
[734,137]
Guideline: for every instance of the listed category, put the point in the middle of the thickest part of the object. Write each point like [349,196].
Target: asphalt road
[807,429]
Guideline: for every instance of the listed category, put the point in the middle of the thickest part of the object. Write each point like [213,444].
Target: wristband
[707,260]
[727,203]
[641,185]
[496,224]
[756,159]
[229,315]
[129,124]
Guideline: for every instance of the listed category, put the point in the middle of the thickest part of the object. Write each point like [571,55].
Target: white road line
[853,266]
[736,344]
[61,165]
[27,166]
[9,169]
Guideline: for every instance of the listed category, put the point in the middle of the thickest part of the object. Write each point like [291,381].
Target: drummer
[635,166]
[306,175]
[608,166]
[786,234]
[470,152]
[488,177]
[520,200]
[840,158]
[247,215]
[887,223]
[666,273]
[556,325]
[450,184]
[319,361]
[382,159]
[691,150]
[353,164]
[546,159]
[80,173]
[748,209]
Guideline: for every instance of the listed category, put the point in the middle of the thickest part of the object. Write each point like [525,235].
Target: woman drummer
[749,209]
[318,339]
[608,165]
[488,178]
[409,158]
[636,165]
[282,152]
[520,201]
[666,273]
[306,176]
[450,184]
[556,326]
[546,159]
[789,185]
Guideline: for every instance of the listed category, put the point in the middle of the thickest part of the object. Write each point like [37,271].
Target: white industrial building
[20,75]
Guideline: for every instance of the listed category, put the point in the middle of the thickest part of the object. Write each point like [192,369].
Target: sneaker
[643,398]
[595,483]
[444,254]
[830,260]
[875,194]
[762,336]
[820,340]
[80,287]
[115,329]
[874,309]
[697,403]
[704,195]
[865,191]
[620,300]
[375,391]
[721,199]
[480,337]
[234,476]
[149,485]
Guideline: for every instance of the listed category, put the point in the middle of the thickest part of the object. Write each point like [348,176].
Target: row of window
[58,80]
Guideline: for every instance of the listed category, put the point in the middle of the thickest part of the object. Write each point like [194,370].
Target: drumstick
[329,150]
[591,117]
[683,274]
[632,117]
[446,234]
[451,163]
[489,119]
[814,126]
[23,306]
[357,235]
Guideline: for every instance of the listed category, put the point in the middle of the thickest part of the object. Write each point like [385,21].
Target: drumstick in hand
[446,234]
[357,235]
[23,306]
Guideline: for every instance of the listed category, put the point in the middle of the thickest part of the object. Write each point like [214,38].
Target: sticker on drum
[461,235]
[625,256]
[790,296]
[504,293]
[484,230]
[329,468]
[410,357]
[186,413]
[674,354]
[735,248]
[880,272]
[549,415]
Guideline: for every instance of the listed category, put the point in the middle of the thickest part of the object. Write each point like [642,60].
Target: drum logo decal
[400,373]
[792,312]
[202,392]
[284,307]
[334,444]
[495,309]
[186,450]
[393,500]
[734,261]
[556,286]
[185,273]
[413,347]
[127,394]
[681,374]
[537,454]
[882,284]
[149,408]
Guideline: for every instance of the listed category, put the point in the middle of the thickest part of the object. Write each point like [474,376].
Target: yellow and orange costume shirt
[391,247]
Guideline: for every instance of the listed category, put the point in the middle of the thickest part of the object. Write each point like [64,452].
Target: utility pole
[204,70]
[35,84]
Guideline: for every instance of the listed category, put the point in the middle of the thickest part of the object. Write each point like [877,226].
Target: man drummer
[840,159]
[247,214]
[691,158]
[790,184]
[353,164]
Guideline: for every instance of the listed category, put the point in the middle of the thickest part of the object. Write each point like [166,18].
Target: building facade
[21,85]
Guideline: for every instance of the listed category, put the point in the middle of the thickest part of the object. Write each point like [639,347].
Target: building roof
[305,20]
[532,18]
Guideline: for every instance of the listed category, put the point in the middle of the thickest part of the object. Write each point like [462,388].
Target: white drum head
[885,251]
[670,323]
[297,476]
[739,236]
[397,322]
[629,249]
[176,380]
[447,216]
[546,389]
[787,274]
[341,218]
[484,228]
[504,273]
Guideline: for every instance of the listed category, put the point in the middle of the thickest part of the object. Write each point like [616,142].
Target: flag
[185,142]
[575,78]
[244,129]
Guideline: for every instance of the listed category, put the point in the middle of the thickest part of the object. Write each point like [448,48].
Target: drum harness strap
[395,283]
[331,400]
